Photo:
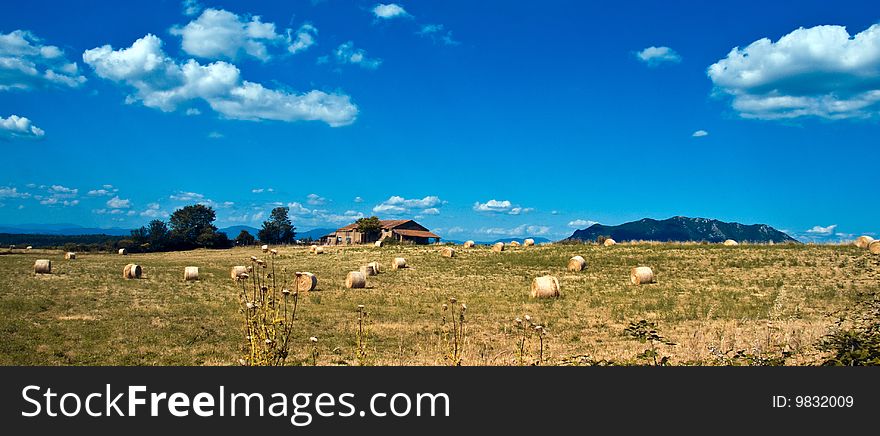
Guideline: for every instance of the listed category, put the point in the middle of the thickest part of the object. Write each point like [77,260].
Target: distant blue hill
[538,240]
[63,229]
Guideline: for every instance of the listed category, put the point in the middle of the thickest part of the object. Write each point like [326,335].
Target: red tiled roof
[415,233]
[386,225]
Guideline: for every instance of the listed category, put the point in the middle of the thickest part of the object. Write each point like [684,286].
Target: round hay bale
[43,266]
[498,247]
[378,243]
[514,244]
[529,242]
[545,287]
[874,247]
[375,266]
[577,263]
[730,242]
[190,273]
[448,252]
[355,280]
[319,250]
[368,270]
[398,263]
[864,241]
[265,248]
[70,255]
[609,242]
[641,275]
[123,252]
[29,247]
[312,249]
[306,281]
[237,271]
[468,244]
[132,271]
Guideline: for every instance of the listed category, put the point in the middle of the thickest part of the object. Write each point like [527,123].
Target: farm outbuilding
[407,231]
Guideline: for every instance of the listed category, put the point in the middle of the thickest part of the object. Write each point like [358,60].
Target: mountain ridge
[682,229]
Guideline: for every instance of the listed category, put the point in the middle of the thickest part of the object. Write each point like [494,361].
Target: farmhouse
[407,231]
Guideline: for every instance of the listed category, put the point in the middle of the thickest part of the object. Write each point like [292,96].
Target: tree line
[187,228]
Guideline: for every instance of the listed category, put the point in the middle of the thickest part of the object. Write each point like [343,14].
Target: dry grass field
[710,300]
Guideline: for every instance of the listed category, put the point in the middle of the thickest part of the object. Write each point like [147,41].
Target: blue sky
[482,119]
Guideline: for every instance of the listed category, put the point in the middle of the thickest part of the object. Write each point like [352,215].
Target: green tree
[245,238]
[368,225]
[278,229]
[192,226]
[157,235]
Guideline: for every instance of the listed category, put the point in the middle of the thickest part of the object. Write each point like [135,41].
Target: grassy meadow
[710,300]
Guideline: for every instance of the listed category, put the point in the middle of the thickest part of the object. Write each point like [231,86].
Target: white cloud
[302,39]
[821,71]
[521,230]
[262,190]
[438,34]
[59,189]
[654,56]
[298,209]
[191,7]
[12,192]
[26,64]
[220,34]
[346,53]
[118,203]
[358,200]
[56,201]
[822,230]
[431,211]
[193,111]
[187,196]
[501,206]
[153,210]
[16,127]
[216,135]
[315,200]
[396,205]
[387,11]
[103,192]
[700,134]
[162,83]
[581,223]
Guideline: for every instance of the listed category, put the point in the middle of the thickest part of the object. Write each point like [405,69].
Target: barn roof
[415,233]
[386,225]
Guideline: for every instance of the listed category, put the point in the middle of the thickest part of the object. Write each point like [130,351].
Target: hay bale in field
[355,280]
[265,248]
[529,242]
[468,244]
[874,247]
[545,287]
[190,273]
[312,249]
[29,247]
[368,270]
[398,263]
[70,255]
[730,242]
[237,271]
[318,250]
[498,247]
[306,281]
[122,252]
[448,252]
[375,266]
[577,263]
[641,275]
[43,266]
[609,242]
[132,271]
[378,243]
[864,241]
[514,244]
